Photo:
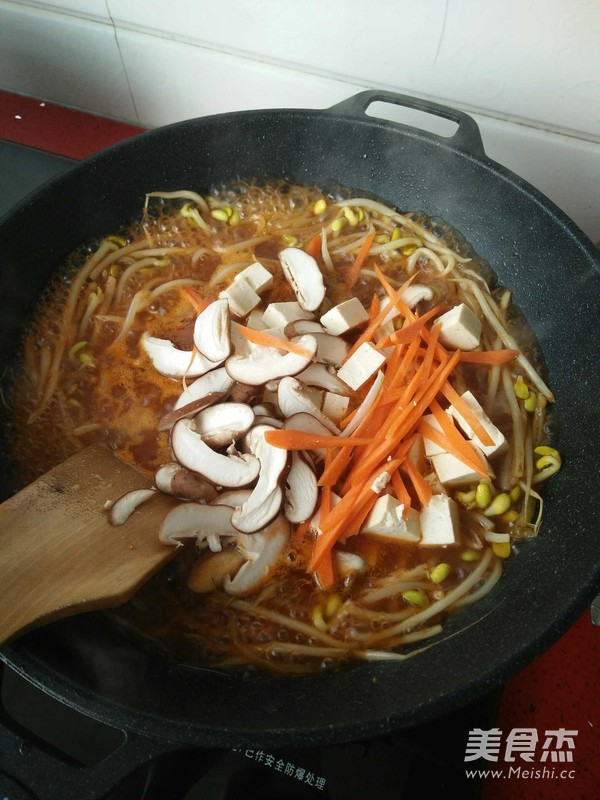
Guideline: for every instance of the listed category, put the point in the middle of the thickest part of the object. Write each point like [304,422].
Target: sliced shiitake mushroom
[266,497]
[331,350]
[301,491]
[120,511]
[319,375]
[178,481]
[263,364]
[231,469]
[172,362]
[261,551]
[211,331]
[292,399]
[209,571]
[207,524]
[217,380]
[223,423]
[304,276]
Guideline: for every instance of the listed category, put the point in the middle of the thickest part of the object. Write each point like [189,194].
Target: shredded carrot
[333,472]
[268,340]
[467,413]
[489,356]
[347,517]
[313,248]
[470,459]
[431,351]
[375,307]
[460,447]
[397,302]
[416,377]
[288,439]
[401,492]
[422,488]
[354,271]
[199,302]
[324,571]
[408,332]
[300,532]
[395,295]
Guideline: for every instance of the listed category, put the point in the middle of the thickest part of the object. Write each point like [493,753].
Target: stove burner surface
[414,763]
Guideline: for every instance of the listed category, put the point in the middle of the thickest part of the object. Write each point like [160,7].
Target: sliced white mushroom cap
[265,409]
[301,326]
[319,375]
[120,511]
[266,497]
[242,392]
[178,481]
[301,491]
[171,417]
[416,292]
[209,571]
[348,563]
[223,423]
[261,551]
[232,470]
[211,331]
[293,399]
[304,276]
[331,350]
[273,422]
[218,380]
[263,364]
[172,362]
[307,423]
[232,498]
[209,525]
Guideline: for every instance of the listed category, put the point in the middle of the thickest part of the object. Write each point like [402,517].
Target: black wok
[534,248]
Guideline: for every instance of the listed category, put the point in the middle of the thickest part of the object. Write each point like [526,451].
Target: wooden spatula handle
[59,553]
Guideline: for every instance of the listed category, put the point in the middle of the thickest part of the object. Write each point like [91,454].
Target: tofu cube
[277,315]
[257,276]
[255,320]
[335,405]
[460,329]
[451,471]
[361,365]
[499,441]
[241,298]
[439,521]
[386,520]
[344,317]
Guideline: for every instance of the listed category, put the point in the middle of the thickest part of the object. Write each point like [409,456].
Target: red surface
[57,130]
[561,689]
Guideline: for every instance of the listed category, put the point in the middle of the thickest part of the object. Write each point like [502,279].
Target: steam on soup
[352,418]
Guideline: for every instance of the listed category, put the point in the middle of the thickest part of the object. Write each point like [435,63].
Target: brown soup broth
[82,381]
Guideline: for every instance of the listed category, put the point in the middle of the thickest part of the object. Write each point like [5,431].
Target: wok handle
[466,138]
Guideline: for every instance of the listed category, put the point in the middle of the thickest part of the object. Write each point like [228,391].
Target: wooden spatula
[60,555]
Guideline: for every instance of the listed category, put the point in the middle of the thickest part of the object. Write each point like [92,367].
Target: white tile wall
[63,59]
[528,71]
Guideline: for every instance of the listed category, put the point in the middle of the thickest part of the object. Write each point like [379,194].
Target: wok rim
[20,658]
